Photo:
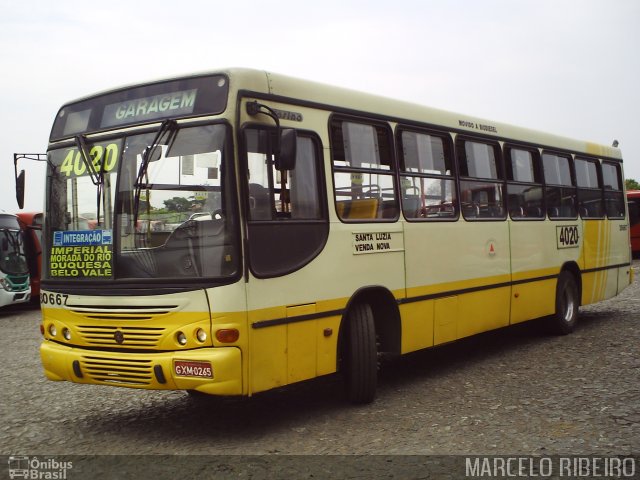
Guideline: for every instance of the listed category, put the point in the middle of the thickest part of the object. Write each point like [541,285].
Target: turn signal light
[227,335]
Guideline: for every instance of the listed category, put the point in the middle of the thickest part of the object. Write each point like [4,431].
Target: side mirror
[285,159]
[20,189]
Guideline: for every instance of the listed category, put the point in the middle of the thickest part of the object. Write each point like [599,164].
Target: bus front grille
[122,312]
[116,371]
[128,337]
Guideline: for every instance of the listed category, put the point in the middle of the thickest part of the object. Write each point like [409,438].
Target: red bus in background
[31,226]
[633,198]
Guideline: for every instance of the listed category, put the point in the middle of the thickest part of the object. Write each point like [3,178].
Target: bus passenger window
[560,190]
[590,204]
[481,186]
[427,183]
[524,187]
[363,171]
[613,195]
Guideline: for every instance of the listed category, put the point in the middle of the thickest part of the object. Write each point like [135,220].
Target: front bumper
[144,370]
[12,298]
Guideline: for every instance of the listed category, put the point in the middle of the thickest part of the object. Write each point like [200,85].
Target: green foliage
[177,204]
[631,184]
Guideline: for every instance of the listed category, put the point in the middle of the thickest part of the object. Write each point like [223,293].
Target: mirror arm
[38,157]
[19,177]
[254,108]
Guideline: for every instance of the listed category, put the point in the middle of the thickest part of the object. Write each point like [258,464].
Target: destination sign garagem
[204,95]
[149,108]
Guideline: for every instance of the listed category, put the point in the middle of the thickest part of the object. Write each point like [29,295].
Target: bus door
[287,228]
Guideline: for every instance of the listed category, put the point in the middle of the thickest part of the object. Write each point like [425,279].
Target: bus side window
[590,201]
[427,183]
[481,184]
[363,171]
[613,194]
[524,187]
[560,191]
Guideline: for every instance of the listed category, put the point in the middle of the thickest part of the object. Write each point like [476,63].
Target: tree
[631,184]
[177,204]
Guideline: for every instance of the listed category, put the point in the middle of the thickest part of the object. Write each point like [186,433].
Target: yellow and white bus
[232,232]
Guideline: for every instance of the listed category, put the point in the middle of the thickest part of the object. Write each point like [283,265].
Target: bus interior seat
[517,212]
[470,210]
[533,211]
[410,205]
[359,208]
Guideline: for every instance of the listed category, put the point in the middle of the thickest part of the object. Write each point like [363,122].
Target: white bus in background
[14,269]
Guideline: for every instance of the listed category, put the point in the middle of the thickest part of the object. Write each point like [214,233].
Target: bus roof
[307,92]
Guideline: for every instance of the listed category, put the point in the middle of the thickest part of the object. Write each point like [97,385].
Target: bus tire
[564,320]
[362,356]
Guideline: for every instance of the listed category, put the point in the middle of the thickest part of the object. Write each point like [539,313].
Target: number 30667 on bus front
[184,368]
[567,236]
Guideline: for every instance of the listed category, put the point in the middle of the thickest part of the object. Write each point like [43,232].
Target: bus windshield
[12,257]
[154,213]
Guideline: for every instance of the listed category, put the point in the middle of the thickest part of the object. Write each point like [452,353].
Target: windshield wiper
[168,125]
[97,177]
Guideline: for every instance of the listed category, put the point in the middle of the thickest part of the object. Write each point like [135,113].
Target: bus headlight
[6,284]
[182,338]
[201,335]
[52,330]
[66,333]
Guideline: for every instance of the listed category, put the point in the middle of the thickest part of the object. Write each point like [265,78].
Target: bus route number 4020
[568,236]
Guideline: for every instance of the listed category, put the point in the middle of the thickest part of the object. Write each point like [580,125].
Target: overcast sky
[567,67]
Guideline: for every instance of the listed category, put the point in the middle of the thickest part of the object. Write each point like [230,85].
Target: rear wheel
[361,369]
[564,320]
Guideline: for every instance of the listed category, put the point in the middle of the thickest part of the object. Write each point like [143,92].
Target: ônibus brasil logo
[21,466]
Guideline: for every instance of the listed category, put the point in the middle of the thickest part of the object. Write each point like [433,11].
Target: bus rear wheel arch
[567,303]
[370,329]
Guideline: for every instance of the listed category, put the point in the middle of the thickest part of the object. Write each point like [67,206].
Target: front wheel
[566,316]
[361,369]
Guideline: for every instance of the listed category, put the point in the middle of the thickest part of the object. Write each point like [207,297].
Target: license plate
[184,368]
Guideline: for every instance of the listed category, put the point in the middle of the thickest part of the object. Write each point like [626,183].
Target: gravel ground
[515,391]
